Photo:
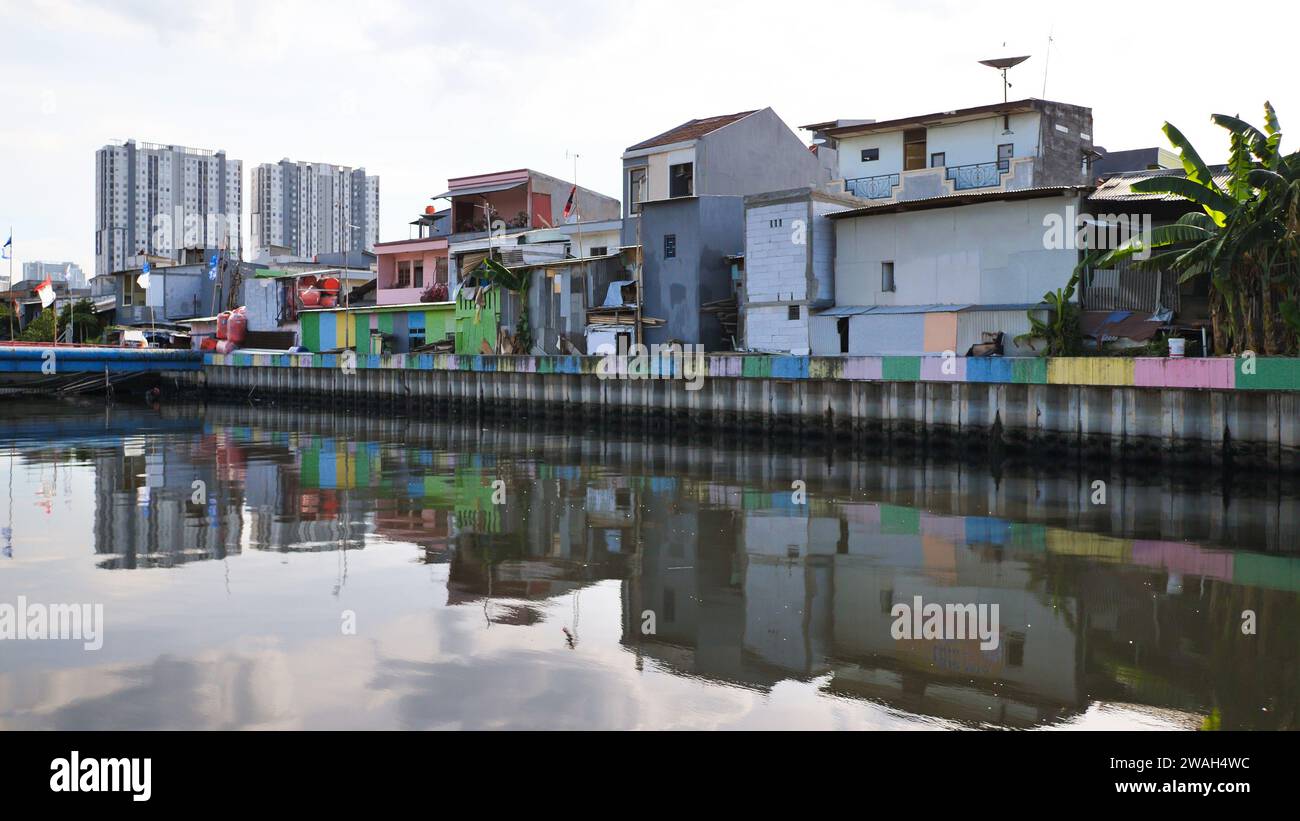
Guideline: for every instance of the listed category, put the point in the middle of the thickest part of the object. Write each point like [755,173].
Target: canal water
[270,568]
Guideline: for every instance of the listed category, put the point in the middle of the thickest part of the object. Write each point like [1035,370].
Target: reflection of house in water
[768,593]
[545,544]
[894,555]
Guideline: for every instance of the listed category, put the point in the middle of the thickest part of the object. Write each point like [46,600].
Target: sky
[418,92]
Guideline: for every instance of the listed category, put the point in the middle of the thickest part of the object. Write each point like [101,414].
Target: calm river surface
[264,568]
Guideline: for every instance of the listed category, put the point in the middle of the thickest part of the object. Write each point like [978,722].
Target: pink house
[522,199]
[410,268]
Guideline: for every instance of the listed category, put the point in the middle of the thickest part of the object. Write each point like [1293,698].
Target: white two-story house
[1001,147]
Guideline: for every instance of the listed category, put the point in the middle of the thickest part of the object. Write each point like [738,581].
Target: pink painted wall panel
[864,369]
[1216,374]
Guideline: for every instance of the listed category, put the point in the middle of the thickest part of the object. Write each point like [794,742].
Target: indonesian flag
[46,292]
[570,206]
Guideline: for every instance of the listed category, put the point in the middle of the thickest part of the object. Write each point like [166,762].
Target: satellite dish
[1004,64]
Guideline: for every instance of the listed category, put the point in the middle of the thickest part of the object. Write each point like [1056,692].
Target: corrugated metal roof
[952,200]
[859,310]
[692,130]
[480,189]
[1119,188]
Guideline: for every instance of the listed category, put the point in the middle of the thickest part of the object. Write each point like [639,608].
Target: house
[512,202]
[684,205]
[789,267]
[1116,212]
[933,276]
[177,292]
[378,329]
[25,304]
[410,270]
[1008,146]
[688,243]
[751,152]
[591,238]
[272,299]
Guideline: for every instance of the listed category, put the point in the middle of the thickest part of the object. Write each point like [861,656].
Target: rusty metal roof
[1119,188]
[692,130]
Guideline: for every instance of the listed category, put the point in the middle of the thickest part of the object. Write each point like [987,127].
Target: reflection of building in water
[894,555]
[145,509]
[545,543]
[771,591]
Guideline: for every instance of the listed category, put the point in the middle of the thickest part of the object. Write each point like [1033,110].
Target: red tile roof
[692,130]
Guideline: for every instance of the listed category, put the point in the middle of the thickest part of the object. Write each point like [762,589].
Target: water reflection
[516,578]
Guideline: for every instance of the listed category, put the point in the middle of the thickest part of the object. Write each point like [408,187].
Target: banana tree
[517,283]
[1243,237]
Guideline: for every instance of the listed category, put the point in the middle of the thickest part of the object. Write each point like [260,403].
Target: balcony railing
[873,188]
[982,175]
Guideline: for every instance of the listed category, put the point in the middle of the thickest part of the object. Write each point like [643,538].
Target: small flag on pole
[571,206]
[143,279]
[8,251]
[46,292]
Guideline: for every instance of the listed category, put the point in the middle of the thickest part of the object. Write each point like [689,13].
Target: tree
[517,283]
[86,326]
[40,329]
[1243,237]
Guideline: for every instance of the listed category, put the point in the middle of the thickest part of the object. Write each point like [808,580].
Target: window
[670,246]
[887,277]
[938,159]
[681,180]
[914,149]
[600,251]
[403,275]
[843,327]
[793,314]
[636,190]
[870,154]
[440,271]
[132,293]
[1005,153]
[418,275]
[777,223]
[1016,650]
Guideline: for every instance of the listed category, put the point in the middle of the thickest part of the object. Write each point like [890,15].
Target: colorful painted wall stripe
[1258,374]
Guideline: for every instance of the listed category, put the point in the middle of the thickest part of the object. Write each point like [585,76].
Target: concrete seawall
[850,400]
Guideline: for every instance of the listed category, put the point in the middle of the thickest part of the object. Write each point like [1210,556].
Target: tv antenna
[1005,64]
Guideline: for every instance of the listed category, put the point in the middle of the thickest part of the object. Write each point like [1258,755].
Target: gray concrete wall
[1249,429]
[707,230]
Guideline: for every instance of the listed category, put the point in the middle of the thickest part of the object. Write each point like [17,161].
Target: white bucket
[1177,348]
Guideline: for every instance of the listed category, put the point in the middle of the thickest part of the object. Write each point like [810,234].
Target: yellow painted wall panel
[1090,371]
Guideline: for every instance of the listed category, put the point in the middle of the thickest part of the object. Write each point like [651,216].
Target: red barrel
[329,301]
[310,297]
[226,346]
[208,344]
[223,324]
[330,285]
[238,328]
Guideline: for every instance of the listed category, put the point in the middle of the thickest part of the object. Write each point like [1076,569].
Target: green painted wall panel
[1029,371]
[311,332]
[901,369]
[1269,375]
